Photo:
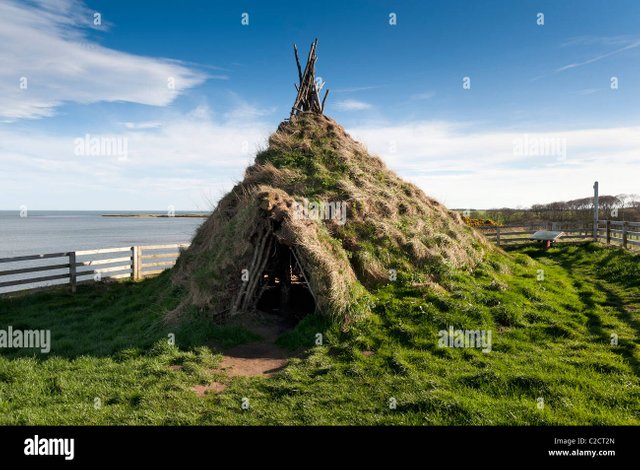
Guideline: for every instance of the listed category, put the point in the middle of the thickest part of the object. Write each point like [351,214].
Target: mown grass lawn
[552,315]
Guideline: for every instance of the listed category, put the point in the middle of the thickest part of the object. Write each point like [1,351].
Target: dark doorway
[283,288]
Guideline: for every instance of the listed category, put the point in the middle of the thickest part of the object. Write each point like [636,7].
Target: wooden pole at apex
[308,90]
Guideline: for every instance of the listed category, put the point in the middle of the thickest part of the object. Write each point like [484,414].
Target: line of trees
[619,207]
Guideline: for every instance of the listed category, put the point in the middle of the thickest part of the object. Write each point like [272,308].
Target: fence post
[72,271]
[139,274]
[595,211]
[498,236]
[134,262]
[608,232]
[624,234]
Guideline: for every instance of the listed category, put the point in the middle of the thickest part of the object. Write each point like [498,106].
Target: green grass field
[552,360]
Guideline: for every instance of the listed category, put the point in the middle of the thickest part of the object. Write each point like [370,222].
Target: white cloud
[191,158]
[352,105]
[178,162]
[46,43]
[466,168]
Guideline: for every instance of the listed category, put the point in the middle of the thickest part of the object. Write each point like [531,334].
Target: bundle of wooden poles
[308,98]
[248,290]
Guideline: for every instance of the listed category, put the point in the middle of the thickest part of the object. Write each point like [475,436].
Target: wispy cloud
[48,59]
[423,96]
[352,105]
[201,112]
[633,45]
[627,43]
[355,89]
[587,91]
[621,40]
[142,125]
[247,112]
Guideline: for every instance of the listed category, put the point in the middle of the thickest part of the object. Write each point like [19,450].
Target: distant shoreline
[202,216]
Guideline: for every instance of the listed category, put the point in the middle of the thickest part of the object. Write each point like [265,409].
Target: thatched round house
[316,223]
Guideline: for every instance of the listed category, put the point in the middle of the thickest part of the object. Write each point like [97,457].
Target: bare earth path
[259,358]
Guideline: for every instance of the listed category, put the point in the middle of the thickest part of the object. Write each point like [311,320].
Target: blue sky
[397,88]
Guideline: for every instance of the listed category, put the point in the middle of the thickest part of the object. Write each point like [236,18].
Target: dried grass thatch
[390,224]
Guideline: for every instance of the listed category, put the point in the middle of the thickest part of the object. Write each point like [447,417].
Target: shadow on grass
[614,270]
[625,348]
[108,318]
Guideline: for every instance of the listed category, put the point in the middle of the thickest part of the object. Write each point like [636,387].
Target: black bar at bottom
[473,445]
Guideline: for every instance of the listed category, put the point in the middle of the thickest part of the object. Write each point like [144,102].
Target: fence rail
[76,267]
[626,234]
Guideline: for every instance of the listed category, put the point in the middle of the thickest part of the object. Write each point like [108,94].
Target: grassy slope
[551,339]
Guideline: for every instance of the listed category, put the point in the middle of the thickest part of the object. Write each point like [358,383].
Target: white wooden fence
[76,267]
[626,234]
